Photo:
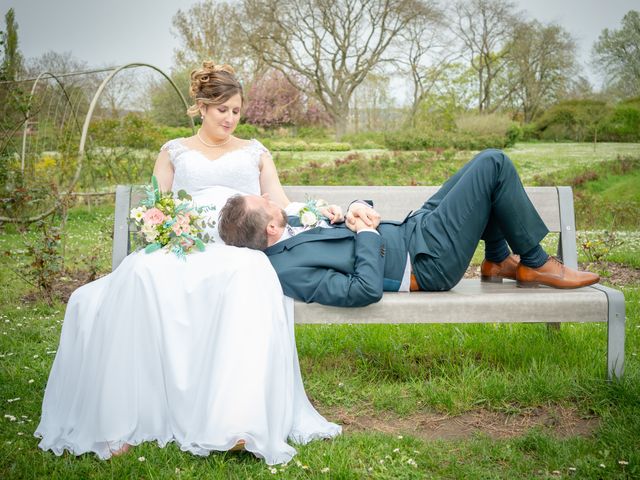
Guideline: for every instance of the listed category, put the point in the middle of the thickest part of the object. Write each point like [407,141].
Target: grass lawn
[605,181]
[532,159]
[416,401]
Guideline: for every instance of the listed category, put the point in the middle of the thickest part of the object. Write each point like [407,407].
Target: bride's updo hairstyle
[212,85]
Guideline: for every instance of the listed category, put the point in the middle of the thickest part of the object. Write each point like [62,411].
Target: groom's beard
[284,220]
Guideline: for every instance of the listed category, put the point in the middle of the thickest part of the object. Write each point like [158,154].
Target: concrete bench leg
[615,332]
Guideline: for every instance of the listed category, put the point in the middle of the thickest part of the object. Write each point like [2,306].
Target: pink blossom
[177,228]
[186,243]
[153,216]
[183,220]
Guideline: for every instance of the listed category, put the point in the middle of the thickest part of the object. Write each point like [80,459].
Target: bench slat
[471,301]
[394,203]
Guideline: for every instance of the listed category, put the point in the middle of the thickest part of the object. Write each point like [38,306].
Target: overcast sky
[115,32]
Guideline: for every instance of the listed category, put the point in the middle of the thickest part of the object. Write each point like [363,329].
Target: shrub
[311,132]
[365,140]
[412,140]
[623,125]
[598,246]
[131,131]
[302,146]
[169,133]
[529,132]
[513,134]
[580,120]
[483,124]
[43,256]
[246,131]
[284,146]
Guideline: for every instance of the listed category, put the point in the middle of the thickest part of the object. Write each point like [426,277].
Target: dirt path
[561,422]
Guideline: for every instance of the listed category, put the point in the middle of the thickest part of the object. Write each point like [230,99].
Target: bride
[200,352]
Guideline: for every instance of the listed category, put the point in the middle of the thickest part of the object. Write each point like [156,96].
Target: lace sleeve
[173,148]
[258,150]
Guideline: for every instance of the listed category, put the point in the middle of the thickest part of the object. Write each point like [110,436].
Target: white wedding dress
[200,352]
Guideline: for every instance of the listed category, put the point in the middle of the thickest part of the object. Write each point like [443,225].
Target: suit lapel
[312,235]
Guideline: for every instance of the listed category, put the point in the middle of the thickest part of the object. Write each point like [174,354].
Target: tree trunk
[341,121]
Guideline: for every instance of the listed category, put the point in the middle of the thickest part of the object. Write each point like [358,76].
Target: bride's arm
[269,181]
[163,171]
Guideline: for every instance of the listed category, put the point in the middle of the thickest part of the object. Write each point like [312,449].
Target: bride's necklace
[214,145]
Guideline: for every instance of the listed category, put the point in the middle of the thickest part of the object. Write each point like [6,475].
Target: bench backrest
[554,204]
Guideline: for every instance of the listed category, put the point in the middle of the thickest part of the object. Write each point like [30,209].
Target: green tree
[485,28]
[166,106]
[617,54]
[541,66]
[591,119]
[425,55]
[12,59]
[451,95]
[13,99]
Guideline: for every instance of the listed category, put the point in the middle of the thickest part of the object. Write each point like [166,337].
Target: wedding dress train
[198,351]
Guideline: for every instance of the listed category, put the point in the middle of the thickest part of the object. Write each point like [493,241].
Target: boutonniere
[310,215]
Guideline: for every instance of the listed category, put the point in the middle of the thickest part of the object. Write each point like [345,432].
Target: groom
[352,263]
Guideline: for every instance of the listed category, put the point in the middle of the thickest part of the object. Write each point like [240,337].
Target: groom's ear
[273,231]
[273,228]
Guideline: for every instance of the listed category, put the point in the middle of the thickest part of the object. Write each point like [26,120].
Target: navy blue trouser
[484,200]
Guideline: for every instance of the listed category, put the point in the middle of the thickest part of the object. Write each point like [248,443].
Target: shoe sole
[562,287]
[494,279]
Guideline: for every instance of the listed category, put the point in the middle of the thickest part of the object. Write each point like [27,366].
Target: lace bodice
[238,169]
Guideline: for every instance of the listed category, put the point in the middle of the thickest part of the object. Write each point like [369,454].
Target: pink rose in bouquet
[153,216]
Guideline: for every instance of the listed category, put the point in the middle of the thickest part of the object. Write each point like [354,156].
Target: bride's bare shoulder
[189,142]
[243,142]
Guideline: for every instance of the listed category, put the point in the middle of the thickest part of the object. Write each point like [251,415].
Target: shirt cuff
[367,203]
[372,230]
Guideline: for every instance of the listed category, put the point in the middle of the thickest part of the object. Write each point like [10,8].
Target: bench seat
[471,301]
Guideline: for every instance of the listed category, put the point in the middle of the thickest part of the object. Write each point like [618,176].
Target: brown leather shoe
[238,446]
[494,272]
[554,274]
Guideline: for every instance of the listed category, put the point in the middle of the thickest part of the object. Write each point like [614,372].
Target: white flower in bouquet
[309,219]
[149,232]
[137,213]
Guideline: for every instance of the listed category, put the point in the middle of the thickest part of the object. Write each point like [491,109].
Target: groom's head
[251,221]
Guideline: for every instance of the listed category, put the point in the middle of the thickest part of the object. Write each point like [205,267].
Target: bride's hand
[333,213]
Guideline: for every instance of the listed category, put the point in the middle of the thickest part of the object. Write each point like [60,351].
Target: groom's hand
[333,213]
[364,213]
[356,224]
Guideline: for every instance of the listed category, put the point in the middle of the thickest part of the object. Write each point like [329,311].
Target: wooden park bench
[471,301]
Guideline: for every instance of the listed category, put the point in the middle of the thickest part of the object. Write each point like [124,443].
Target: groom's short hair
[242,226]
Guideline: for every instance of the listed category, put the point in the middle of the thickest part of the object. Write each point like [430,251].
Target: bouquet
[164,221]
[310,214]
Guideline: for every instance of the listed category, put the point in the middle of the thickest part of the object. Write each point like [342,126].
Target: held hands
[333,213]
[362,216]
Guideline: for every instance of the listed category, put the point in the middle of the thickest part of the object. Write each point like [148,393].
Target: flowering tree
[273,101]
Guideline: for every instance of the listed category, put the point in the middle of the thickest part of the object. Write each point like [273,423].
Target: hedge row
[584,120]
